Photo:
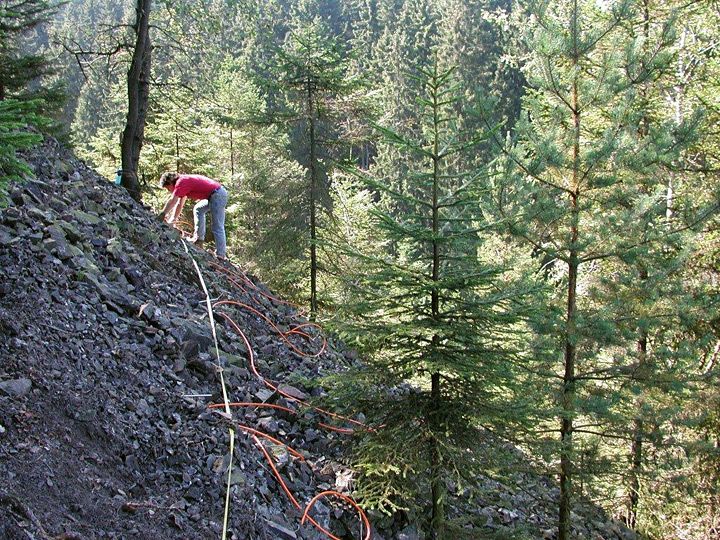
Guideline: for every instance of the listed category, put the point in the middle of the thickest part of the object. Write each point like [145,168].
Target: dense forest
[508,208]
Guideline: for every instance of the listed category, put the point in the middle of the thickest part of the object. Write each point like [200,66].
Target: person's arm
[175,213]
[168,205]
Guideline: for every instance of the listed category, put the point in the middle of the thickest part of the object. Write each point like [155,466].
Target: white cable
[219,369]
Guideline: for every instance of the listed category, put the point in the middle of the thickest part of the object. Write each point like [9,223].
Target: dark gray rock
[16,387]
[280,530]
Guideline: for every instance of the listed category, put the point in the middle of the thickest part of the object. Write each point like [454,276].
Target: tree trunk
[232,156]
[313,213]
[634,488]
[138,93]
[636,450]
[437,485]
[568,397]
[569,381]
[177,150]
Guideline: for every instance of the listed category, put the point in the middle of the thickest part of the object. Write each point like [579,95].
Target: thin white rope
[219,369]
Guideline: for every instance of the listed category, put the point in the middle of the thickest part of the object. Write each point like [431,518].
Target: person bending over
[211,196]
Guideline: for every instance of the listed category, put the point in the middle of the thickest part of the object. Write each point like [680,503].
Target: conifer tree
[436,320]
[315,79]
[472,35]
[266,183]
[17,68]
[674,339]
[15,117]
[583,181]
[20,105]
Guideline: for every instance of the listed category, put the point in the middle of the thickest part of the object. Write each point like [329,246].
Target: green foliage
[317,91]
[590,187]
[21,106]
[349,226]
[23,74]
[15,117]
[229,99]
[440,331]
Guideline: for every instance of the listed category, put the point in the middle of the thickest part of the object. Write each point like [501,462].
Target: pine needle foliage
[21,107]
[15,116]
[589,175]
[438,321]
[320,95]
[19,70]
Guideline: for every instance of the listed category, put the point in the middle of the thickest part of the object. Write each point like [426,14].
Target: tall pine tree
[314,78]
[585,191]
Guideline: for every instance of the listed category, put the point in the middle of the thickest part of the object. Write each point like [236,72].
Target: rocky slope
[108,368]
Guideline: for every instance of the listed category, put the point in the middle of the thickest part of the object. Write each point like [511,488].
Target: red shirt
[194,186]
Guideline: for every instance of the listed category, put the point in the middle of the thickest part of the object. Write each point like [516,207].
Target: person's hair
[168,178]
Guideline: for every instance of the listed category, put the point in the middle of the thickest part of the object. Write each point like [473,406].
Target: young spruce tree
[437,322]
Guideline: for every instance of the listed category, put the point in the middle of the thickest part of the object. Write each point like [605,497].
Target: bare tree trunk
[636,453]
[313,202]
[177,150]
[437,485]
[138,93]
[636,450]
[232,156]
[568,397]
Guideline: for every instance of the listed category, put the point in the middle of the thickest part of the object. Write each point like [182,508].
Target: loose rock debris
[107,368]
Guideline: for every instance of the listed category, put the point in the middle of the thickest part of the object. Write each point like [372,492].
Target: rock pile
[108,368]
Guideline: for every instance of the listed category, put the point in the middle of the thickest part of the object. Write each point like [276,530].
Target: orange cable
[301,309]
[255,433]
[273,387]
[282,334]
[294,500]
[277,474]
[272,439]
[345,498]
[252,404]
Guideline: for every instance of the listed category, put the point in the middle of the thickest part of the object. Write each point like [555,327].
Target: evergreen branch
[556,90]
[624,248]
[604,434]
[523,365]
[500,145]
[592,44]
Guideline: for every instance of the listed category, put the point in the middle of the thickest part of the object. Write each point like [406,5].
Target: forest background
[509,208]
